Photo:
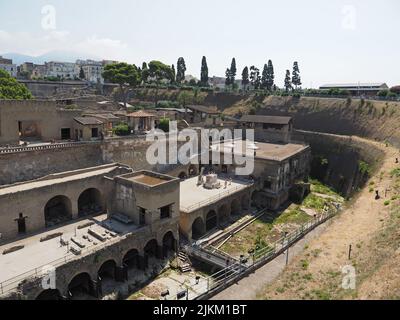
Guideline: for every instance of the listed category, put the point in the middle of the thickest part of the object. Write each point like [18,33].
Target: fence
[226,277]
[5,150]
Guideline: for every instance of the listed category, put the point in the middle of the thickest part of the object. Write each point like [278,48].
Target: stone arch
[168,243]
[131,259]
[198,228]
[49,294]
[211,220]
[90,202]
[236,207]
[80,284]
[151,248]
[193,170]
[57,211]
[223,214]
[245,202]
[182,175]
[107,269]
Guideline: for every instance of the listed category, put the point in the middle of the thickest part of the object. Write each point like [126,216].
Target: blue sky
[333,41]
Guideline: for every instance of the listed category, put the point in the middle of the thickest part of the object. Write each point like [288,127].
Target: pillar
[160,252]
[143,262]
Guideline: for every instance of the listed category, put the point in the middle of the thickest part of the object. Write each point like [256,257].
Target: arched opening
[211,221]
[198,229]
[80,285]
[90,202]
[168,243]
[150,249]
[260,200]
[223,214]
[131,259]
[49,295]
[235,207]
[57,211]
[182,176]
[245,202]
[193,170]
[107,270]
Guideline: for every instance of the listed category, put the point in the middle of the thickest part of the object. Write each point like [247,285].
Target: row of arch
[215,218]
[59,208]
[83,283]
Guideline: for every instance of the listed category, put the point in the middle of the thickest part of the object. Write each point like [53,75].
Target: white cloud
[30,44]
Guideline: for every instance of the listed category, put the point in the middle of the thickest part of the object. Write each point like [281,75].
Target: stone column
[121,273]
[143,262]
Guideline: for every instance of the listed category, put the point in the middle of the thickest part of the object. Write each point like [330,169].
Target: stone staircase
[184,262]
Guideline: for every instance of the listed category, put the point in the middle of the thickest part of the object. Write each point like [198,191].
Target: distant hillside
[64,56]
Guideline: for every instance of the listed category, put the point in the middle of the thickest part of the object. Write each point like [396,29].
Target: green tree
[158,72]
[245,77]
[296,80]
[125,75]
[233,72]
[288,83]
[270,76]
[173,74]
[228,78]
[181,69]
[264,77]
[10,88]
[82,74]
[204,73]
[255,78]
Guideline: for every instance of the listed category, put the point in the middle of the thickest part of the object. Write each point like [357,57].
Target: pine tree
[204,72]
[173,74]
[228,79]
[255,78]
[245,77]
[233,71]
[296,80]
[181,69]
[264,77]
[288,83]
[81,74]
[270,76]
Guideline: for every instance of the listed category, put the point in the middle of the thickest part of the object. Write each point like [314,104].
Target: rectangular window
[165,212]
[95,132]
[65,133]
[142,217]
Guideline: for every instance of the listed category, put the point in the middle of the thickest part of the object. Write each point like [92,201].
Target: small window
[142,216]
[165,212]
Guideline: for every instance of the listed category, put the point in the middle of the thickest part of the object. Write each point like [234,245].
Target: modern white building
[63,70]
[93,70]
[8,66]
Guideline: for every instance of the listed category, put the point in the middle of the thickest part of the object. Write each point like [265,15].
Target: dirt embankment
[376,120]
[371,227]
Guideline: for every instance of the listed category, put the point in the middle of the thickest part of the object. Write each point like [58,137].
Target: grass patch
[295,215]
[319,187]
[314,202]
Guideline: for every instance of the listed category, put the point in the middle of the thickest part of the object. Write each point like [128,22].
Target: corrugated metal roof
[266,119]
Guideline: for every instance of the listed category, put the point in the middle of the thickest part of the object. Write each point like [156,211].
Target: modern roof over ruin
[378,85]
[88,121]
[105,116]
[204,109]
[266,119]
[141,114]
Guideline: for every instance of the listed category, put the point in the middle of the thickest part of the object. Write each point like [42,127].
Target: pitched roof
[87,121]
[266,119]
[105,116]
[140,114]
[204,109]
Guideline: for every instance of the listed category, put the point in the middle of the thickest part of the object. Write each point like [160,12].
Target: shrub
[121,129]
[164,124]
[383,93]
